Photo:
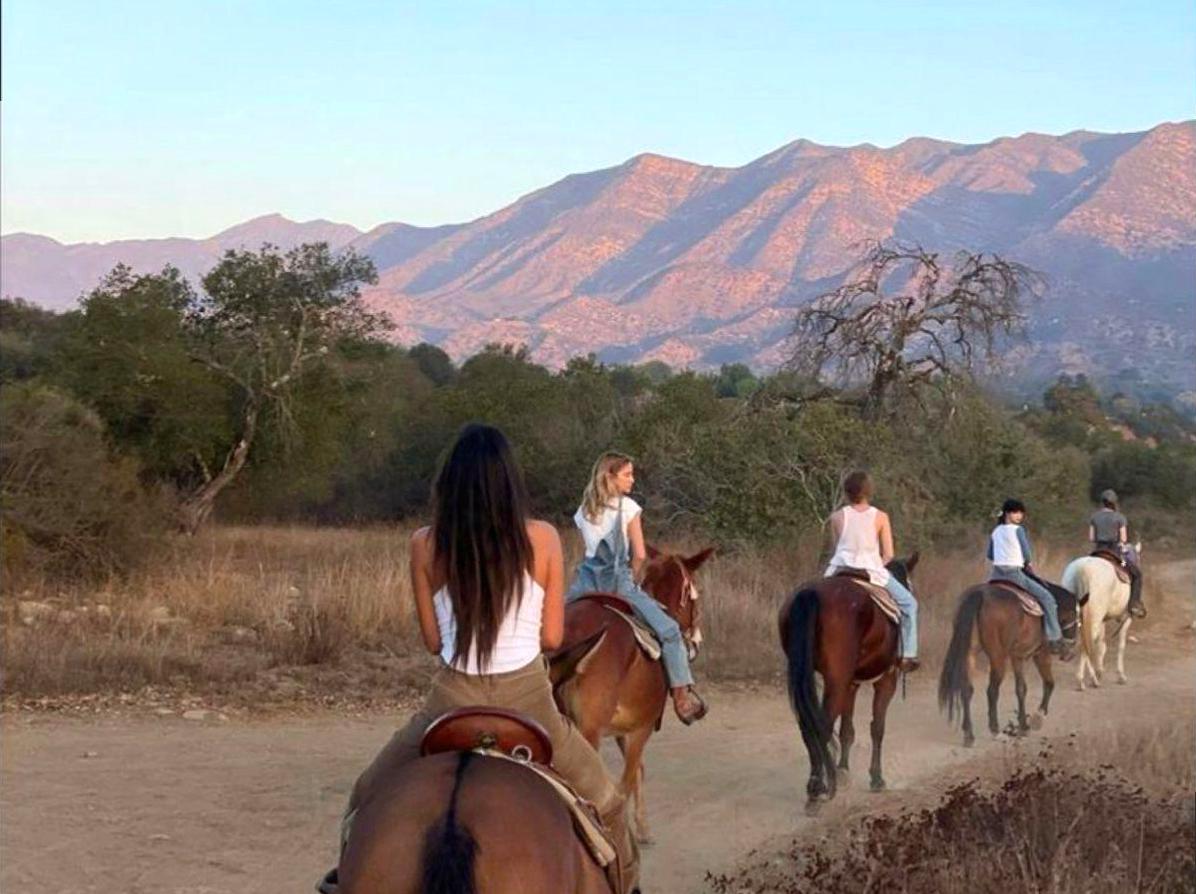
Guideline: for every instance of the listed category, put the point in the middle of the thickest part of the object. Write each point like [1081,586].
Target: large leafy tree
[192,380]
[263,320]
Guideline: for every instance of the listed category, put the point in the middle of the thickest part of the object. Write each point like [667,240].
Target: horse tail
[449,848]
[799,648]
[953,679]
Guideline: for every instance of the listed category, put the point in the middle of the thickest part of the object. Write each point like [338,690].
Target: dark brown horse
[606,683]
[990,618]
[831,626]
[464,823]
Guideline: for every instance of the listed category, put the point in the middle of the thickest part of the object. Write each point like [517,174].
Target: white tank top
[1007,548]
[518,640]
[859,545]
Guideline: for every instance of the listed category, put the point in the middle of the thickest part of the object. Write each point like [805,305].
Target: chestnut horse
[464,823]
[990,618]
[605,682]
[831,626]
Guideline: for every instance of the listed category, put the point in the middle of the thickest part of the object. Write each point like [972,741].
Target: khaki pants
[529,691]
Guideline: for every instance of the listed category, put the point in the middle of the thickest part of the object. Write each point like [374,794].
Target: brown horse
[990,618]
[831,626]
[464,823]
[606,683]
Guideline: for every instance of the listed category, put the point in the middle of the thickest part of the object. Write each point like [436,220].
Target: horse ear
[694,562]
[912,561]
[653,552]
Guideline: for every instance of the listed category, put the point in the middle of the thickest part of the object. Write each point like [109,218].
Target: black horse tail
[954,677]
[811,720]
[449,849]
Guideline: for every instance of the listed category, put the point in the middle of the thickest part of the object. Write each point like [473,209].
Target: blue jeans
[591,578]
[909,616]
[1045,598]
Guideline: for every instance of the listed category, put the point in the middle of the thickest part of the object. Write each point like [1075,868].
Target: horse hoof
[969,741]
[1123,680]
[645,840]
[843,773]
[813,807]
[877,785]
[1035,721]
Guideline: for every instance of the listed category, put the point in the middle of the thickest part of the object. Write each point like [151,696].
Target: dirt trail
[178,807]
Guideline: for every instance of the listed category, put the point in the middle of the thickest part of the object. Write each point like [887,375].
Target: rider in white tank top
[518,640]
[859,545]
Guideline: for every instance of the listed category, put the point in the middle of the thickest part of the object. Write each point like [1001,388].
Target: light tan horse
[605,682]
[1104,597]
[463,823]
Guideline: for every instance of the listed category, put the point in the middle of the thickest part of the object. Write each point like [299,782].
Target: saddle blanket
[882,598]
[585,817]
[1029,604]
[643,633]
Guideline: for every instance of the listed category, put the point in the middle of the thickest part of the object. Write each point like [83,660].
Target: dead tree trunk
[196,508]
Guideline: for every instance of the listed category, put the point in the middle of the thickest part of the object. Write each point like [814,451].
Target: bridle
[689,597]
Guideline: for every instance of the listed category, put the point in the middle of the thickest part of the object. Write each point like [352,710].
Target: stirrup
[330,883]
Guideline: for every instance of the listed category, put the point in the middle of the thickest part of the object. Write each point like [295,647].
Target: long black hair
[479,535]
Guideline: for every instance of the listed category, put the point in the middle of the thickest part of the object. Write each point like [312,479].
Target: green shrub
[67,504]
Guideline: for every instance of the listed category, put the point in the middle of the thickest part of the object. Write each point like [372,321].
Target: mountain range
[697,265]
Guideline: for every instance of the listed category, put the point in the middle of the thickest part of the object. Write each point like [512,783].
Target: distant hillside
[697,265]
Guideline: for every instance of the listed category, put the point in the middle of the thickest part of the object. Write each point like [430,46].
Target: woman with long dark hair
[489,592]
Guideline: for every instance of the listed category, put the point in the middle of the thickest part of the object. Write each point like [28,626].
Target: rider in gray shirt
[1108,530]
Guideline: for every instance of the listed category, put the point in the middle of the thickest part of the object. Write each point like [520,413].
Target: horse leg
[1042,660]
[1020,688]
[996,673]
[1097,658]
[969,736]
[847,729]
[632,747]
[837,697]
[883,691]
[1123,633]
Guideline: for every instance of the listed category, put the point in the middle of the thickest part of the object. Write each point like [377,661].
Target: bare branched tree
[905,318]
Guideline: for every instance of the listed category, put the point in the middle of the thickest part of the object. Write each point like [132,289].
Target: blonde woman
[610,523]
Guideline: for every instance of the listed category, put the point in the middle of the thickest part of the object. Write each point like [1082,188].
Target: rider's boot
[626,873]
[1137,609]
[1062,649]
[688,705]
[908,665]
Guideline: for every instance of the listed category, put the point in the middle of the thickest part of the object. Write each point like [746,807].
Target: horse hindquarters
[448,824]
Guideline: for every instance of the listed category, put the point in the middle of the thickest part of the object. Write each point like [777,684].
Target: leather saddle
[882,598]
[491,729]
[1029,604]
[1118,563]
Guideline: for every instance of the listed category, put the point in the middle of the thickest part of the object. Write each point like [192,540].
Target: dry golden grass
[235,604]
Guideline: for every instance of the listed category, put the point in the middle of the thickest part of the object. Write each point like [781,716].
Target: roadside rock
[31,611]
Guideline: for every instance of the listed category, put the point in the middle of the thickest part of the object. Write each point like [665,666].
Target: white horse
[1102,597]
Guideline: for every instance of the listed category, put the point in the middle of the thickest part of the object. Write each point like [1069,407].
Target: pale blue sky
[173,117]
